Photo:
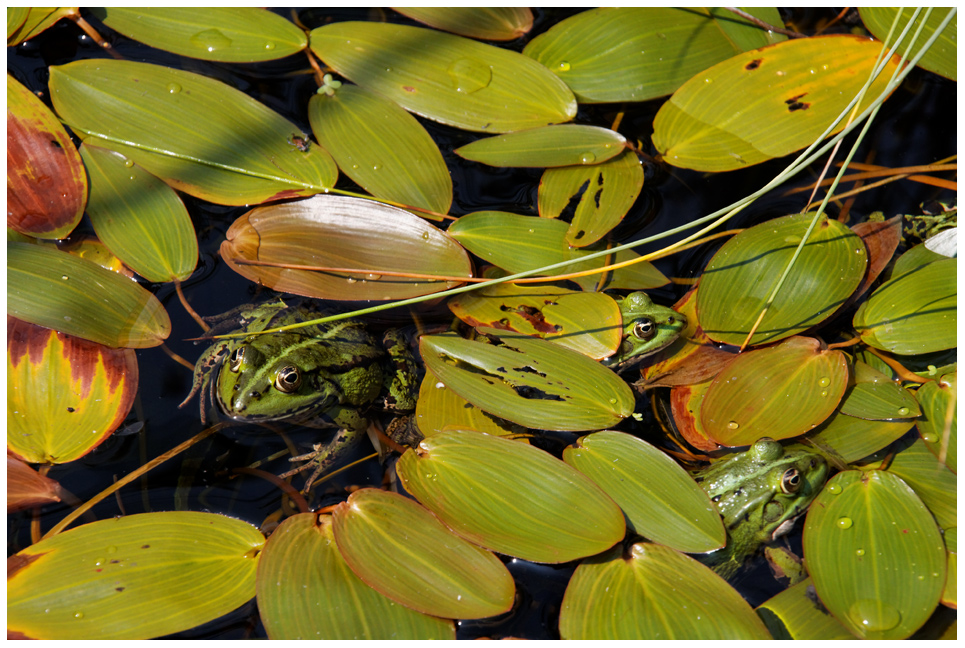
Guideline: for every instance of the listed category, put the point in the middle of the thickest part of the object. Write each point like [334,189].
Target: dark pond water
[917,126]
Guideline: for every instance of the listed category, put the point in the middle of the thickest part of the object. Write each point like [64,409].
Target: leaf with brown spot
[65,395]
[46,181]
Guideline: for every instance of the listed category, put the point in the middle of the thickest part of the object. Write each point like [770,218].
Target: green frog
[759,493]
[647,329]
[334,372]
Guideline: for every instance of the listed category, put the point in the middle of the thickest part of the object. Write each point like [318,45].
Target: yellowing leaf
[485,23]
[548,146]
[765,103]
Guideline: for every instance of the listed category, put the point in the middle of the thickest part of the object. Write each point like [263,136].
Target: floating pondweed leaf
[941,58]
[485,23]
[939,422]
[306,590]
[446,78]
[229,35]
[875,555]
[134,577]
[548,146]
[874,396]
[46,183]
[793,614]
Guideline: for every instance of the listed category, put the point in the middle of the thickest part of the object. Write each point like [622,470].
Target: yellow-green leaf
[485,23]
[341,232]
[446,78]
[197,134]
[46,183]
[639,53]
[875,554]
[134,577]
[739,279]
[659,499]
[529,381]
[792,614]
[765,103]
[913,313]
[36,21]
[64,395]
[950,593]
[510,497]
[589,323]
[942,58]
[402,550]
[606,192]
[227,35]
[519,243]
[653,592]
[75,296]
[380,146]
[934,483]
[307,591]
[139,218]
[548,146]
[939,422]
[779,392]
[853,438]
[439,408]
[16,16]
[875,396]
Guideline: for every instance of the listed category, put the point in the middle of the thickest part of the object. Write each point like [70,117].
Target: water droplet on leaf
[844,523]
[174,88]
[564,66]
[468,75]
[210,40]
[874,616]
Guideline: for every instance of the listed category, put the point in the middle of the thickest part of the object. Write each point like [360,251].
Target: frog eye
[237,358]
[644,328]
[791,480]
[288,379]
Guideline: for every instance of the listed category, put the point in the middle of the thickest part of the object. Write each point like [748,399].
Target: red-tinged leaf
[26,488]
[64,395]
[46,182]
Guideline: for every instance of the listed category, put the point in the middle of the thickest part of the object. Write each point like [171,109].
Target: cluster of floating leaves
[880,540]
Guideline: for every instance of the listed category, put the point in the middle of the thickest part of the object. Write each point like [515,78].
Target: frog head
[647,328]
[760,492]
[252,386]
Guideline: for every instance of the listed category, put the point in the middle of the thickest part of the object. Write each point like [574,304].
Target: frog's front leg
[352,427]
[400,381]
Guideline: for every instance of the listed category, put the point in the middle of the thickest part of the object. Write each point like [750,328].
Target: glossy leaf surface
[341,232]
[853,438]
[876,397]
[46,183]
[939,421]
[139,218]
[135,577]
[640,53]
[653,592]
[16,16]
[781,392]
[402,550]
[380,146]
[485,23]
[64,395]
[199,135]
[518,243]
[589,323]
[227,35]
[307,591]
[446,78]
[439,408]
[950,593]
[941,58]
[606,192]
[27,488]
[739,279]
[660,500]
[765,103]
[529,381]
[934,484]
[914,312]
[792,613]
[875,554]
[75,296]
[510,497]
[549,146]
[36,21]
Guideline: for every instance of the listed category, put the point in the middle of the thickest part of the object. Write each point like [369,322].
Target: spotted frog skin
[647,329]
[759,493]
[333,371]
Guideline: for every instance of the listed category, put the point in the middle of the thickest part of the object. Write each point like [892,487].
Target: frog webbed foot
[324,456]
[400,381]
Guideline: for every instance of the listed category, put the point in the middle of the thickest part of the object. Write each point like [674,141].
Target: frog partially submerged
[647,329]
[333,371]
[759,493]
